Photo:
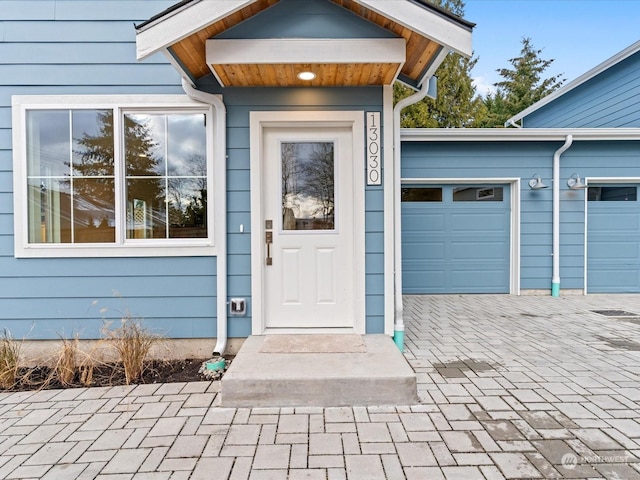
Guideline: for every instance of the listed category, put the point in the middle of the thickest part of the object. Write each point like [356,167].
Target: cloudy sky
[577,34]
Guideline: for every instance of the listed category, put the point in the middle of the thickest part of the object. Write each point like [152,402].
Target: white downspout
[555,279]
[398,329]
[220,208]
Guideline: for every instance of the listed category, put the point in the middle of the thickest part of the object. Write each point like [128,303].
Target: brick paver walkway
[511,387]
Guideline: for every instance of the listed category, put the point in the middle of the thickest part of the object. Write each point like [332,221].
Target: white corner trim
[424,22]
[389,221]
[515,236]
[295,50]
[172,28]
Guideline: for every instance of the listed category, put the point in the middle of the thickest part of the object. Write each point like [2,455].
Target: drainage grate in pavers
[615,313]
[456,368]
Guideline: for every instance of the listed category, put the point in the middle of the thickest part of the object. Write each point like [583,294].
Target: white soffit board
[244,51]
[424,22]
[180,24]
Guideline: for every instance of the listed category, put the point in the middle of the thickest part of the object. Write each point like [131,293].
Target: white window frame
[122,247]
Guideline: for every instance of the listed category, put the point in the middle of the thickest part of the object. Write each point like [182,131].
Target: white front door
[311,264]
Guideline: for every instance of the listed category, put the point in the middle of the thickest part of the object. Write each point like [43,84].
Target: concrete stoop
[374,374]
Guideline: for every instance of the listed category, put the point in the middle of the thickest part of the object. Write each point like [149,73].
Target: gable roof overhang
[419,34]
[597,70]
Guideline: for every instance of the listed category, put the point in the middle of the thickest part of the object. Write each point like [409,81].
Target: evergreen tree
[457,104]
[521,86]
[495,111]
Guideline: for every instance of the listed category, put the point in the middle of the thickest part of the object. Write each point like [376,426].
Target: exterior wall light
[575,182]
[306,76]
[536,183]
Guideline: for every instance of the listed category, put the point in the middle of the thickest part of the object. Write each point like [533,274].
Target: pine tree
[521,86]
[457,104]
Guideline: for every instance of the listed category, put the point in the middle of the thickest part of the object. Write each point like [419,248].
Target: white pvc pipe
[555,278]
[398,328]
[220,190]
[398,325]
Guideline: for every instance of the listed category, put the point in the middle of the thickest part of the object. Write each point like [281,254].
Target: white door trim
[514,184]
[258,121]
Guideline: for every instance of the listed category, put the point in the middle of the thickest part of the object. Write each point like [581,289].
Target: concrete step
[336,373]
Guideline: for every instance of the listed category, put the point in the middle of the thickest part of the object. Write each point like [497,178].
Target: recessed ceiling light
[306,75]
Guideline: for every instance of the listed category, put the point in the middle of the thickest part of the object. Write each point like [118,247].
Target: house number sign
[374,162]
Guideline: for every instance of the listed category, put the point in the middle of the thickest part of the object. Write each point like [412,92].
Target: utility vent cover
[615,313]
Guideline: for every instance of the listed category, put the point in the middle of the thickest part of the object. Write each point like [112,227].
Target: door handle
[268,238]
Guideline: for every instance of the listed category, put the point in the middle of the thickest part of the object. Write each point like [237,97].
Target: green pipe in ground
[555,289]
[398,337]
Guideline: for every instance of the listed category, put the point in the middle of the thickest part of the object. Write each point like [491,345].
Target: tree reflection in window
[308,201]
[166,176]
[71,158]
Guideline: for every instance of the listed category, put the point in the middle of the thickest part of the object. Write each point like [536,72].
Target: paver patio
[510,387]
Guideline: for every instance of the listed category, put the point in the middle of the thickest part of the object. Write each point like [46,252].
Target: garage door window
[421,194]
[477,194]
[613,194]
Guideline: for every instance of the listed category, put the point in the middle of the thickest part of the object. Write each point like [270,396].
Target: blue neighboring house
[548,205]
[218,168]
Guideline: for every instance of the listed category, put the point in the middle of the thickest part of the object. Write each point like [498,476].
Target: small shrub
[65,368]
[9,360]
[86,371]
[133,342]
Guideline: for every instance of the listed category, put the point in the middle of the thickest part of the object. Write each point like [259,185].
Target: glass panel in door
[308,179]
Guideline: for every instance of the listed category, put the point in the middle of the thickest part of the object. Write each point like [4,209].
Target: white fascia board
[296,50]
[620,56]
[516,135]
[180,24]
[424,22]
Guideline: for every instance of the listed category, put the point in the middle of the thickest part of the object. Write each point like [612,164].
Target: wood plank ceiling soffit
[191,53]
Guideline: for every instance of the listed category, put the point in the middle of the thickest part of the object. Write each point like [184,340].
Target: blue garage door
[613,239]
[455,239]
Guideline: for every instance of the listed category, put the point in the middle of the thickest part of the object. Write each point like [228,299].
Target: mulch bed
[107,375]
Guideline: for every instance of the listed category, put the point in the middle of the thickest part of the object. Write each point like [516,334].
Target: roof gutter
[220,211]
[517,135]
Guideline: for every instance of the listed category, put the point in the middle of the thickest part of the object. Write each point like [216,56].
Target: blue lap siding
[468,160]
[88,47]
[239,103]
[74,48]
